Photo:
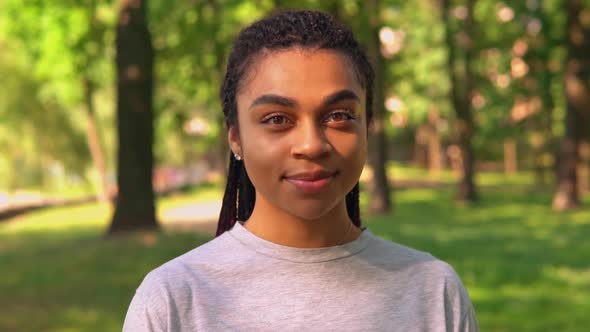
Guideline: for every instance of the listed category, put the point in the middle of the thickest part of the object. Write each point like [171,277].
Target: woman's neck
[277,226]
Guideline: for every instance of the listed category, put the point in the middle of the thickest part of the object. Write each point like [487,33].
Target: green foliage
[63,41]
[55,44]
[34,133]
[49,48]
[192,41]
[418,72]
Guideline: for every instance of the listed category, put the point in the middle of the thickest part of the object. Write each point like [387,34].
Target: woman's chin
[310,211]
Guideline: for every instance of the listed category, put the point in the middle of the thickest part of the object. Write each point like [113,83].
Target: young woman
[290,253]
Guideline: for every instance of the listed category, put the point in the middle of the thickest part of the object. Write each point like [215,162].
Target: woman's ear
[233,137]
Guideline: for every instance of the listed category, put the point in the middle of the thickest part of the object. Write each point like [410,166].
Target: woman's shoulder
[420,273]
[178,280]
[397,257]
[189,265]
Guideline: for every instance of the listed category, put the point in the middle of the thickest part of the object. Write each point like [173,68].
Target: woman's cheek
[349,146]
[261,157]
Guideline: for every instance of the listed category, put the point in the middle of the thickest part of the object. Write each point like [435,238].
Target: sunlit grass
[399,171]
[206,192]
[402,172]
[96,215]
[526,267]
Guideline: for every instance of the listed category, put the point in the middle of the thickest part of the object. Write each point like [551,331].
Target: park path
[198,217]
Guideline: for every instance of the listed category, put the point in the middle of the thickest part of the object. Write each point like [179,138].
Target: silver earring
[237,156]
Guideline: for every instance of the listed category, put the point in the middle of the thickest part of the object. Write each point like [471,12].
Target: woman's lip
[312,175]
[311,186]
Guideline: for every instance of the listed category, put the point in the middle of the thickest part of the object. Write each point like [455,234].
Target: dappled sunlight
[569,276]
[418,195]
[499,179]
[59,219]
[205,211]
[506,304]
[75,317]
[149,239]
[201,203]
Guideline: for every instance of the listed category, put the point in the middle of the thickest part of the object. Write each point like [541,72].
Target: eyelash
[348,114]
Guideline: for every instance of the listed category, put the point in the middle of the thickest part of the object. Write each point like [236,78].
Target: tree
[94,34]
[34,133]
[577,91]
[135,202]
[461,89]
[64,43]
[193,38]
[380,190]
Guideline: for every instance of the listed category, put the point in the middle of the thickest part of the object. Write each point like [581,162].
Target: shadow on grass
[526,267]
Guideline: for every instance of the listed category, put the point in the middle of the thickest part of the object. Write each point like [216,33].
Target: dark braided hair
[305,29]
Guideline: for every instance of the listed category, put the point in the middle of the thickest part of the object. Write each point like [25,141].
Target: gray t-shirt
[240,282]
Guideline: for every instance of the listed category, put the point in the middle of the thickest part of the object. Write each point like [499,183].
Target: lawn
[526,268]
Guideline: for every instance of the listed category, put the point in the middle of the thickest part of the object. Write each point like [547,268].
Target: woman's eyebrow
[273,99]
[289,102]
[340,95]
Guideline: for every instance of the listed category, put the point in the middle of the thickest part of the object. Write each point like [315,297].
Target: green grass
[397,172]
[526,268]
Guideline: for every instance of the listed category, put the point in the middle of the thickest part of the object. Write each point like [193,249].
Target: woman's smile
[311,182]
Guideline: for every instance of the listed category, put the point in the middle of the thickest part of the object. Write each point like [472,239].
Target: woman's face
[302,130]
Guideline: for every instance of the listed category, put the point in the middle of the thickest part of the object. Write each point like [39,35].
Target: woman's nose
[310,141]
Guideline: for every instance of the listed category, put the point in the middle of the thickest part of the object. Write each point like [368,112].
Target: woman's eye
[339,116]
[276,120]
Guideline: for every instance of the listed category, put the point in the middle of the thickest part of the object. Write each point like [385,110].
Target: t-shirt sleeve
[469,322]
[141,316]
[459,312]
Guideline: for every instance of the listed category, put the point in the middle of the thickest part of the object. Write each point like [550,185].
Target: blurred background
[113,150]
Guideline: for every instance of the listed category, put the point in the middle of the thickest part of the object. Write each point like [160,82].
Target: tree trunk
[461,87]
[223,149]
[421,138]
[510,156]
[434,145]
[379,188]
[584,168]
[577,92]
[94,141]
[538,85]
[538,148]
[135,202]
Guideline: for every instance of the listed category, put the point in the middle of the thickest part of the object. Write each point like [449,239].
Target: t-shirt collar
[299,255]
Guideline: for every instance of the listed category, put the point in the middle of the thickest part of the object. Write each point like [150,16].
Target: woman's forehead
[299,74]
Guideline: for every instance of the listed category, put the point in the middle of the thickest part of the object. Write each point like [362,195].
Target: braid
[239,196]
[227,216]
[353,206]
[247,195]
[306,29]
